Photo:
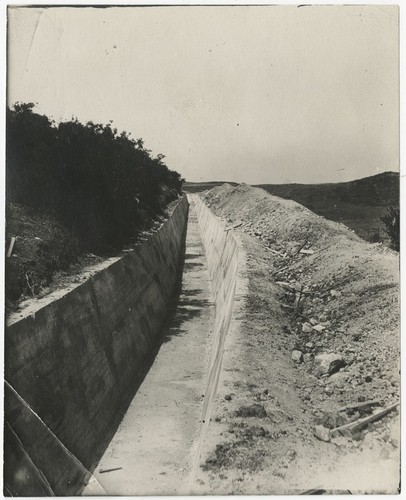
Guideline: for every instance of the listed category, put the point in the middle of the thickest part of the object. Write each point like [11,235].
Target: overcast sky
[250,94]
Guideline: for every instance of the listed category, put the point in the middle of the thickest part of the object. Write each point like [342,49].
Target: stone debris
[297,356]
[339,441]
[343,304]
[319,328]
[322,433]
[306,251]
[329,363]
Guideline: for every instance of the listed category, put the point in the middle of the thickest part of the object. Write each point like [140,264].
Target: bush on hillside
[392,224]
[100,184]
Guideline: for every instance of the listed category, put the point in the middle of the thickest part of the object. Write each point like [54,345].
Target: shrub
[392,225]
[97,182]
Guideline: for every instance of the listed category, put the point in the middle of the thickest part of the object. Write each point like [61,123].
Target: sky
[268,94]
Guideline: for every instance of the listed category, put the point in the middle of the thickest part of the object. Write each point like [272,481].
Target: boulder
[329,363]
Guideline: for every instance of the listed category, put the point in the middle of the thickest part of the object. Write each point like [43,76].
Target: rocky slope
[318,348]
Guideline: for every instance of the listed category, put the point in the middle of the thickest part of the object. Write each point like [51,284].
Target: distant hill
[377,190]
[358,204]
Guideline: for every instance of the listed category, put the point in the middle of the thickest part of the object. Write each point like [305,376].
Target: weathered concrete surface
[153,449]
[71,367]
[226,261]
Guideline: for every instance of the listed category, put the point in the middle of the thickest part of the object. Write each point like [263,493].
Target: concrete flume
[95,340]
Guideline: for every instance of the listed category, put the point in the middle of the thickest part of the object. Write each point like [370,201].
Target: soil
[47,259]
[315,287]
[41,247]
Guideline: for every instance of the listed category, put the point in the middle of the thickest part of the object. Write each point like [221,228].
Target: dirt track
[349,293]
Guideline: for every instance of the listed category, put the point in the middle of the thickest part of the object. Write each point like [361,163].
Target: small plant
[392,225]
[374,237]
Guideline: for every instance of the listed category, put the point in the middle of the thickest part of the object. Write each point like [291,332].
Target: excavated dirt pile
[315,362]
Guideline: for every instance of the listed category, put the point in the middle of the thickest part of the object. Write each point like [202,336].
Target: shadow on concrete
[181,309]
[150,358]
[186,311]
[189,256]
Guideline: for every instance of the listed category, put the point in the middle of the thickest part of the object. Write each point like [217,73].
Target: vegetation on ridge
[98,183]
[74,188]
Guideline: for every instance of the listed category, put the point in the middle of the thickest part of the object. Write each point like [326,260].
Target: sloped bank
[225,259]
[72,365]
[268,404]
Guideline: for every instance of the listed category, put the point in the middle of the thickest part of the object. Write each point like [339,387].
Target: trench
[139,421]
[156,449]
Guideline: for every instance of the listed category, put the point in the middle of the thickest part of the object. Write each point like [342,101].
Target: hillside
[73,190]
[316,348]
[380,189]
[358,204]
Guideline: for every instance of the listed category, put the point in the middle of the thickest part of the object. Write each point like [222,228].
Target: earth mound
[318,347]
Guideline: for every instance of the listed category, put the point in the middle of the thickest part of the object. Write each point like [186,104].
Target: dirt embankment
[320,331]
[47,257]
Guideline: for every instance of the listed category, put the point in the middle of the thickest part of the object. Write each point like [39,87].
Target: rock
[394,442]
[306,327]
[307,357]
[331,420]
[384,453]
[322,433]
[306,251]
[338,379]
[329,363]
[228,397]
[369,440]
[339,441]
[297,356]
[313,321]
[310,345]
[335,293]
[319,328]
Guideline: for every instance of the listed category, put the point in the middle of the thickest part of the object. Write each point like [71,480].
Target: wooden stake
[360,422]
[11,247]
[357,406]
